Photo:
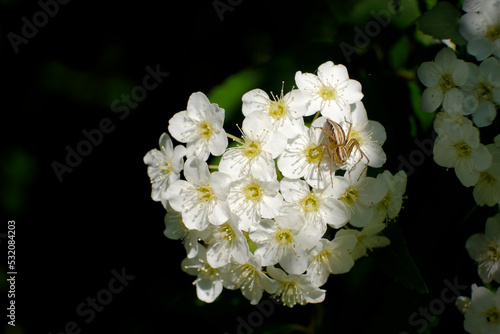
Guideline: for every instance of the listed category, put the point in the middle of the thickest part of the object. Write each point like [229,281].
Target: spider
[339,146]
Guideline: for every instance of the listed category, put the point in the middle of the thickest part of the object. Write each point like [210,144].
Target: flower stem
[233,137]
[216,167]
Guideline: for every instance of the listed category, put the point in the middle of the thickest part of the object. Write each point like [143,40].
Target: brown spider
[339,146]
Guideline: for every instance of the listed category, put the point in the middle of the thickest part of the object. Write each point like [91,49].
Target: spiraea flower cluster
[469,96]
[289,202]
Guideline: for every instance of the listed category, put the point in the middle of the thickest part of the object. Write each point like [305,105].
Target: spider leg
[353,143]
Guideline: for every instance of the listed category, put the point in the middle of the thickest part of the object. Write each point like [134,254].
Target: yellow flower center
[205,130]
[493,252]
[284,237]
[463,150]
[323,256]
[350,196]
[493,315]
[314,153]
[277,109]
[166,168]
[310,203]
[327,93]
[493,33]
[446,82]
[357,136]
[290,294]
[228,232]
[484,92]
[205,193]
[253,192]
[251,149]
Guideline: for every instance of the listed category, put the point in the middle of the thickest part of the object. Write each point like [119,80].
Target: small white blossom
[201,199]
[225,242]
[164,166]
[482,91]
[252,199]
[442,78]
[209,280]
[295,289]
[368,239]
[481,29]
[318,207]
[200,126]
[484,249]
[457,146]
[260,145]
[358,193]
[285,111]
[332,91]
[390,205]
[175,229]
[303,157]
[284,241]
[250,278]
[487,189]
[331,257]
[482,314]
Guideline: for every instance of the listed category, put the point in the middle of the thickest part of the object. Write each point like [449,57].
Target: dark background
[71,235]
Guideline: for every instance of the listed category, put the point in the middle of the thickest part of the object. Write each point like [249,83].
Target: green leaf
[396,261]
[424,118]
[228,94]
[399,52]
[442,22]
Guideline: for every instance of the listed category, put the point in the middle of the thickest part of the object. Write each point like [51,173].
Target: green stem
[230,136]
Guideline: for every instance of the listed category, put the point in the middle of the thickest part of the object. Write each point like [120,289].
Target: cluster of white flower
[469,95]
[272,215]
[482,310]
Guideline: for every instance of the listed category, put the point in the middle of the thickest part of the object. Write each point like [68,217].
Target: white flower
[370,135]
[164,166]
[358,193]
[390,205]
[487,189]
[482,91]
[331,257]
[252,199]
[318,207]
[260,145]
[483,314]
[250,278]
[471,6]
[482,30]
[284,241]
[200,126]
[332,91]
[201,199]
[303,157]
[209,281]
[295,289]
[441,77]
[368,239]
[225,242]
[484,249]
[175,229]
[286,111]
[457,146]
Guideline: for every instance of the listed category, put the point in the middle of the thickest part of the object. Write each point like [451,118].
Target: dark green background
[72,234]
